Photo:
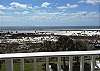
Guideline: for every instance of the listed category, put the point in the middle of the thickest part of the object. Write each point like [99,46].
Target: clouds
[16,8]
[68,6]
[18,5]
[49,13]
[54,19]
[2,7]
[45,4]
[93,2]
[22,8]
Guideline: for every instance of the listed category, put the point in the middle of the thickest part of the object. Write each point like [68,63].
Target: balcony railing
[70,54]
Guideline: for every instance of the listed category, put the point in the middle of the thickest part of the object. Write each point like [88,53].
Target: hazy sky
[49,12]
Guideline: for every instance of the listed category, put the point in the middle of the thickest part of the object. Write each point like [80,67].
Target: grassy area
[27,67]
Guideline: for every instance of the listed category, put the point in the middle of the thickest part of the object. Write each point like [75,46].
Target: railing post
[34,64]
[70,63]
[47,64]
[22,64]
[59,64]
[82,63]
[0,64]
[9,64]
[92,63]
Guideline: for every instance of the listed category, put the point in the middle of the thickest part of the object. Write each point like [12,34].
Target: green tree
[65,43]
[48,46]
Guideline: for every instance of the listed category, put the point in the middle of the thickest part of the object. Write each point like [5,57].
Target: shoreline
[67,32]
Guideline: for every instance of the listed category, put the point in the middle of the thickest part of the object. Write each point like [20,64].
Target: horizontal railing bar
[43,54]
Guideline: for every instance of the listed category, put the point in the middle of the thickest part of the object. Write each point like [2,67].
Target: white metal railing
[9,58]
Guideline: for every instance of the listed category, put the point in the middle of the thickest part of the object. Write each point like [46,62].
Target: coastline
[77,32]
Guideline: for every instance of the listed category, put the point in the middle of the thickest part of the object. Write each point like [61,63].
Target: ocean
[44,28]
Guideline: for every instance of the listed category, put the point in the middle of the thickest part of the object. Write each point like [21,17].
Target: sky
[49,12]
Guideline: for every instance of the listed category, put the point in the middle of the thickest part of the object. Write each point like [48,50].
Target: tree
[81,45]
[65,43]
[48,46]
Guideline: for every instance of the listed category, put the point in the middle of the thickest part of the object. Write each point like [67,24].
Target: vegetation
[64,43]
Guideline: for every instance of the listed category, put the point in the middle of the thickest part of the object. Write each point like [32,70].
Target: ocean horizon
[44,28]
